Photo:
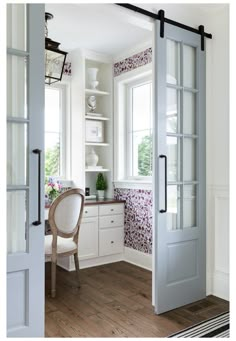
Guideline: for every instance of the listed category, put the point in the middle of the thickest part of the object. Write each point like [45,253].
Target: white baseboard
[220,285]
[143,260]
[132,256]
[209,281]
[88,263]
[68,264]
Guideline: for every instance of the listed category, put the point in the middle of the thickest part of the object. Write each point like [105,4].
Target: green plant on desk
[101,185]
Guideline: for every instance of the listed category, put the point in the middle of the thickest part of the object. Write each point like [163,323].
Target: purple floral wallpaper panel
[67,69]
[133,62]
[138,218]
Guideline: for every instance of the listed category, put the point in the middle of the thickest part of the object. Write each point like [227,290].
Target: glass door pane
[189,66]
[189,159]
[16,86]
[16,221]
[189,207]
[189,113]
[173,62]
[172,111]
[173,207]
[173,161]
[17,161]
[16,26]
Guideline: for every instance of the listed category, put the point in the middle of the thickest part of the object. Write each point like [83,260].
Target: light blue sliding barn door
[25,141]
[179,168]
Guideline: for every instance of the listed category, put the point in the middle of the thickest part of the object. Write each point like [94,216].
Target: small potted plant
[101,186]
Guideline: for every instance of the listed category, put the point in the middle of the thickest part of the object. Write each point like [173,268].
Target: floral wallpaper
[138,203]
[133,62]
[138,218]
[125,65]
[67,69]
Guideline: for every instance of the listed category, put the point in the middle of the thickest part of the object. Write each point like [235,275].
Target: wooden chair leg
[53,279]
[76,259]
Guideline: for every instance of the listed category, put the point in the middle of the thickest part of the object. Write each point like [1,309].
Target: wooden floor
[115,301]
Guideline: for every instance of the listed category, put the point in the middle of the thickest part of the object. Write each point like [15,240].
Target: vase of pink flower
[52,190]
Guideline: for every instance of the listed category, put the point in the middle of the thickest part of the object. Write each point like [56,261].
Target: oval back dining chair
[64,217]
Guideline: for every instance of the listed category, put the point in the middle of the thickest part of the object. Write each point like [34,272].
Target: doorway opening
[115,246]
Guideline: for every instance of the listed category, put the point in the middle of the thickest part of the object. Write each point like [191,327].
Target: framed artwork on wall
[94,131]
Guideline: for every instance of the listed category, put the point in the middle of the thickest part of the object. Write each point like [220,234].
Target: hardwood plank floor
[115,301]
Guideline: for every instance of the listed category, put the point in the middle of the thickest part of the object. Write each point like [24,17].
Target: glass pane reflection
[16,221]
[189,209]
[173,207]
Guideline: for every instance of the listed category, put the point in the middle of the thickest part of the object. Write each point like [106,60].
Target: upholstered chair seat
[63,245]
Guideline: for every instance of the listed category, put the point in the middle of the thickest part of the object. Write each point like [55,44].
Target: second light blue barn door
[179,169]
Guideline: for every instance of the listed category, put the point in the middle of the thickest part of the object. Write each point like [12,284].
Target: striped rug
[215,327]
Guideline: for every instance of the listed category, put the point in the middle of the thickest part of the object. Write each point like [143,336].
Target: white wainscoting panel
[218,242]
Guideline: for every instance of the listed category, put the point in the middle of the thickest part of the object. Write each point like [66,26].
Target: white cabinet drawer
[111,241]
[111,209]
[111,221]
[90,211]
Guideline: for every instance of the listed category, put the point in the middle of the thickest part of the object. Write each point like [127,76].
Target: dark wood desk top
[102,201]
[105,201]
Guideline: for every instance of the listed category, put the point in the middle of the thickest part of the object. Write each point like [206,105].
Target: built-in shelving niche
[104,150]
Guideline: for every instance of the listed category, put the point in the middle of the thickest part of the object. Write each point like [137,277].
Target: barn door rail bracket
[161,16]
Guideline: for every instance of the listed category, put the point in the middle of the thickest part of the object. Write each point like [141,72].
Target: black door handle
[38,152]
[165,158]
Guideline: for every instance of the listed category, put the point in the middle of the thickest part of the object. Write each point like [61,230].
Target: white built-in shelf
[96,144]
[97,118]
[96,92]
[97,170]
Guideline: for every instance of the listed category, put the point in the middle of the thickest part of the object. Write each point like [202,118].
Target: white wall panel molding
[218,241]
[219,189]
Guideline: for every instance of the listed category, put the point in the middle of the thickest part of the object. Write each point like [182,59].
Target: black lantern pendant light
[54,58]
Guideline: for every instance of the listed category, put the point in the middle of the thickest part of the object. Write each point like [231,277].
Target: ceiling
[98,27]
[110,29]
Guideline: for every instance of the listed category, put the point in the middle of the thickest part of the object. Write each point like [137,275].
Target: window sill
[133,184]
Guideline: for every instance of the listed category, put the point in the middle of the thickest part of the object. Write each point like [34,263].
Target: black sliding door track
[161,16]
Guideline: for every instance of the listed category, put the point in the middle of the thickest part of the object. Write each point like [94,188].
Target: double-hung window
[55,110]
[139,129]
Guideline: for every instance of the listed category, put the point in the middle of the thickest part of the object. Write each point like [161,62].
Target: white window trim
[145,79]
[133,184]
[120,131]
[65,123]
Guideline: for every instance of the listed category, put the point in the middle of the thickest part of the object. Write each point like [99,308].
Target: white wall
[218,153]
